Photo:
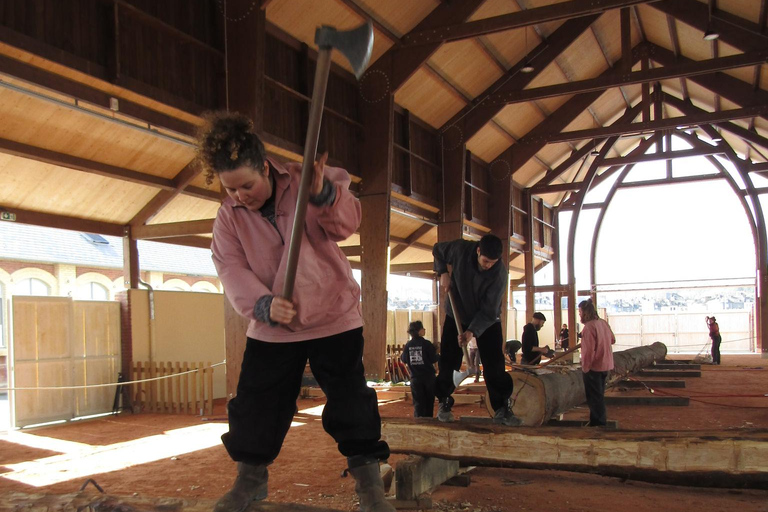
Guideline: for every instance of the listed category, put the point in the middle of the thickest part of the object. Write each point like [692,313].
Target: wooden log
[696,458]
[542,394]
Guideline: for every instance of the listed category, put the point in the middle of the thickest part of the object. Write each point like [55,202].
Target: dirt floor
[308,469]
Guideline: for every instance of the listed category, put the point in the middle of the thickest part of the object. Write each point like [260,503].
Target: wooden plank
[651,383]
[415,475]
[674,401]
[668,373]
[698,458]
[209,386]
[669,366]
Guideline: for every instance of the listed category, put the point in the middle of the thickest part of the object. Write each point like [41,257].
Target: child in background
[420,355]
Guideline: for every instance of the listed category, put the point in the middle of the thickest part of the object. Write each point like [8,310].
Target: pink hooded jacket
[250,256]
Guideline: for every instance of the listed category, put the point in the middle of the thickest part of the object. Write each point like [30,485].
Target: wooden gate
[61,343]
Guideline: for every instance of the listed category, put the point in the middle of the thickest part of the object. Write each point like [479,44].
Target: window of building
[92,291]
[32,286]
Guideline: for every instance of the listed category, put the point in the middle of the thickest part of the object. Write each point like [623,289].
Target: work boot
[250,485]
[444,413]
[505,416]
[370,487]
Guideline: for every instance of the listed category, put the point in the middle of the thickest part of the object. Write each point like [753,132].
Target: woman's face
[248,186]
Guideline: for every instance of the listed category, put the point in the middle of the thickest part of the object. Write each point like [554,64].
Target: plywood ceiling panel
[552,74]
[747,9]
[519,118]
[64,129]
[655,26]
[511,44]
[428,98]
[36,186]
[700,97]
[692,43]
[401,17]
[401,226]
[529,173]
[488,142]
[607,30]
[552,153]
[468,67]
[583,59]
[611,104]
[300,19]
[187,208]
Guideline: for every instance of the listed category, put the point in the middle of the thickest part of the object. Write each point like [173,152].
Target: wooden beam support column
[378,116]
[530,268]
[130,260]
[500,220]
[245,94]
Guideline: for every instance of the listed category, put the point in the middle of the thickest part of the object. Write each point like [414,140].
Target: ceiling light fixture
[527,67]
[710,34]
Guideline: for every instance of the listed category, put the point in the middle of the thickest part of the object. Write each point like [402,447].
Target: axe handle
[458,323]
[560,356]
[308,168]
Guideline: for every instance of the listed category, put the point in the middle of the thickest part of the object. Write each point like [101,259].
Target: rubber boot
[370,488]
[250,485]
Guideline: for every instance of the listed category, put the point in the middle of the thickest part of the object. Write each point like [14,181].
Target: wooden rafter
[475,115]
[523,18]
[47,156]
[414,237]
[603,82]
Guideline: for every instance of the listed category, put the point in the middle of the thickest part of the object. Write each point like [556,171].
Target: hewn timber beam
[664,155]
[173,229]
[733,30]
[669,181]
[201,242]
[681,69]
[653,126]
[411,267]
[523,18]
[476,114]
[421,231]
[52,220]
[415,245]
[351,250]
[47,156]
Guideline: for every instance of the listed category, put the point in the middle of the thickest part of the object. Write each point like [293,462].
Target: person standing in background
[421,355]
[596,360]
[714,335]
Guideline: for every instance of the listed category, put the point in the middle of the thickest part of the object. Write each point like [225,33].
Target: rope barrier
[706,343]
[112,383]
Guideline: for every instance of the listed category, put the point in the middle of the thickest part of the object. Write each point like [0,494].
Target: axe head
[356,44]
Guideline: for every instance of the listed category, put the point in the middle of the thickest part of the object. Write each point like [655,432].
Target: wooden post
[246,42]
[377,107]
[500,220]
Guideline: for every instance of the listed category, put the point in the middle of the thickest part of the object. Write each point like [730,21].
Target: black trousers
[716,340]
[270,381]
[423,390]
[594,388]
[491,346]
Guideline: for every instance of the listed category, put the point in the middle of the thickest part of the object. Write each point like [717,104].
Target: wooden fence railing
[190,392]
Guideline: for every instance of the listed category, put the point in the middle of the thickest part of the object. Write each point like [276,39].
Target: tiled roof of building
[21,242]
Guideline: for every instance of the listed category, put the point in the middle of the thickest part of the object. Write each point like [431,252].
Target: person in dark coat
[421,355]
